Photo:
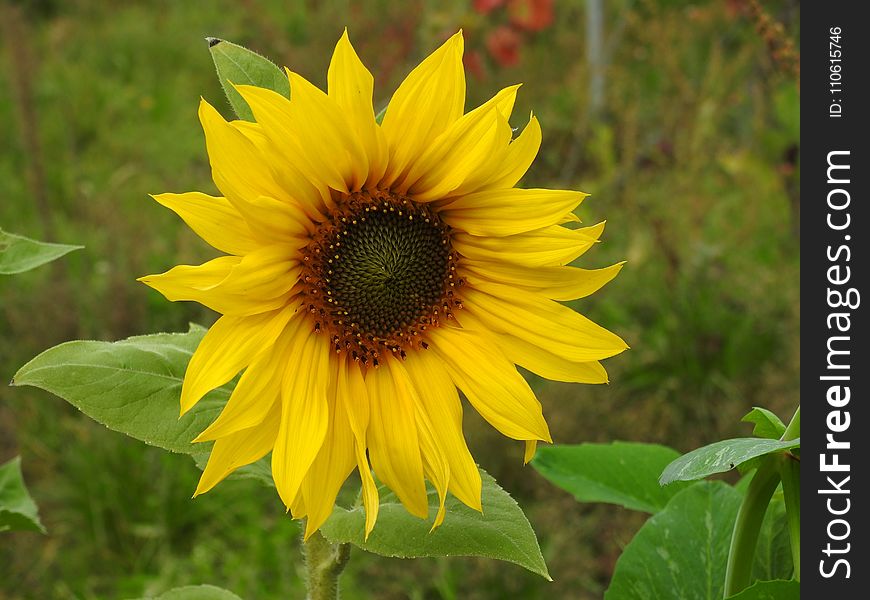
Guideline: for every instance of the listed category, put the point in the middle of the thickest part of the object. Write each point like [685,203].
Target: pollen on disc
[380,273]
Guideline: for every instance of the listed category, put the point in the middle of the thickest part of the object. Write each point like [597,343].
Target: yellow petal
[310,132]
[213,219]
[549,365]
[351,85]
[529,454]
[304,414]
[334,462]
[278,221]
[491,383]
[518,158]
[501,159]
[549,246]
[312,197]
[237,167]
[394,446]
[467,148]
[430,99]
[569,218]
[256,283]
[184,280]
[440,401]
[534,358]
[435,464]
[353,399]
[239,449]
[229,346]
[556,283]
[470,151]
[258,389]
[508,212]
[542,322]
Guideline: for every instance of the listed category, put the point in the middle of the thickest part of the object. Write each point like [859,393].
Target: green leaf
[18,511]
[501,532]
[195,592]
[619,473]
[767,424]
[680,553]
[721,456]
[770,590]
[19,254]
[238,65]
[773,551]
[132,386]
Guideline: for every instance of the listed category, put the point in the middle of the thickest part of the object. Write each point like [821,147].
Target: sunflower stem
[790,472]
[324,563]
[748,525]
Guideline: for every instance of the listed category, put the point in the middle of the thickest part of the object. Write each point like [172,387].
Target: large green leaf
[770,590]
[767,424]
[238,65]
[680,553]
[195,592]
[501,532]
[722,456]
[619,473]
[19,254]
[18,511]
[132,386]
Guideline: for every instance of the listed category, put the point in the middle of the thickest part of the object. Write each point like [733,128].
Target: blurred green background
[680,118]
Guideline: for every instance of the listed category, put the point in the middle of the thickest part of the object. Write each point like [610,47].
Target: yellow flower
[372,272]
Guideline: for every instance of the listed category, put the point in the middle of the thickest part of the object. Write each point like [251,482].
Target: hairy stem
[324,563]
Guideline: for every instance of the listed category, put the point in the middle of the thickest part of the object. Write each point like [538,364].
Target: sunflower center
[378,273]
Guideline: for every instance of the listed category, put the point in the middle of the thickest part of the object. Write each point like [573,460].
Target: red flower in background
[474,64]
[531,15]
[510,23]
[503,44]
[485,7]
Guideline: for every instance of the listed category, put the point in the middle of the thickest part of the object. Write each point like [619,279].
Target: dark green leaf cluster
[705,539]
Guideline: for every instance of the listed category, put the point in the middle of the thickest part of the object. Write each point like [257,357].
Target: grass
[692,160]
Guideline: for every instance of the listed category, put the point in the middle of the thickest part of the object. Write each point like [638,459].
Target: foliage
[195,592]
[19,254]
[707,539]
[17,509]
[134,385]
[131,386]
[694,162]
[236,66]
[722,456]
[501,531]
[618,473]
[680,552]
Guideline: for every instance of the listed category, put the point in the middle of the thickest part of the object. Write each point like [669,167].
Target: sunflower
[372,272]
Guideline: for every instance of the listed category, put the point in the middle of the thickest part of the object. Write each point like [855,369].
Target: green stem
[748,524]
[790,472]
[324,563]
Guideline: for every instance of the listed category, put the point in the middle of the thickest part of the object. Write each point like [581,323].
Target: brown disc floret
[378,273]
